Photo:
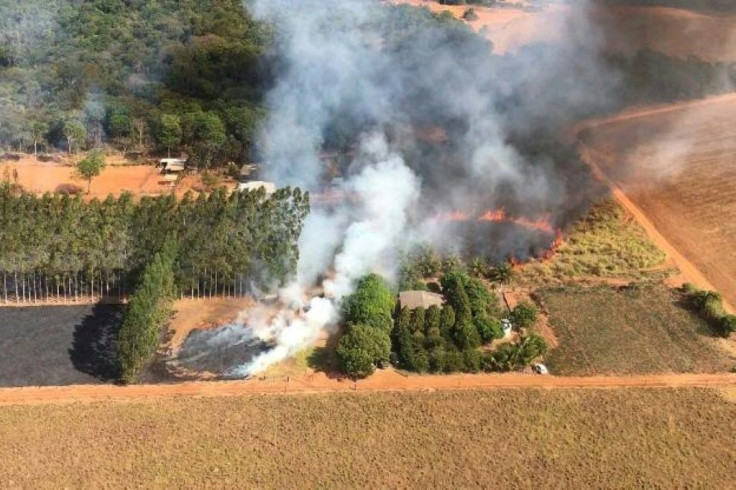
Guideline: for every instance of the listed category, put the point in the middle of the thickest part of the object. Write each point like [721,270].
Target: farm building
[419,299]
[173,165]
[254,185]
[248,173]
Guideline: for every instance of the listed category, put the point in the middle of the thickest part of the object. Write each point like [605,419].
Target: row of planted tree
[63,248]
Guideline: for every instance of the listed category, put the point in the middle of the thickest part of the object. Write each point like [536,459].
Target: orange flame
[499,216]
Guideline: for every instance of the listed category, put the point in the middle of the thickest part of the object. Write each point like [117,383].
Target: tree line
[63,247]
[146,315]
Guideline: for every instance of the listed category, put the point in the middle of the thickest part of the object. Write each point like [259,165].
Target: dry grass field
[640,330]
[679,167]
[607,245]
[590,438]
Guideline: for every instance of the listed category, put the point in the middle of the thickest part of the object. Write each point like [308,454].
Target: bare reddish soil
[673,167]
[320,383]
[119,176]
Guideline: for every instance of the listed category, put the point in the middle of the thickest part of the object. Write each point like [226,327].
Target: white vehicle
[507,327]
[540,369]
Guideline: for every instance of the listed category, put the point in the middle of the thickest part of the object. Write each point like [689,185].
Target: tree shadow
[93,348]
[323,359]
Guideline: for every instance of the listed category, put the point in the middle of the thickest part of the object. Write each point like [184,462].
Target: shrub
[728,325]
[524,315]
[470,15]
[488,328]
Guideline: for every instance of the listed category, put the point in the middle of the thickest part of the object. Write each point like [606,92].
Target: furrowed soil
[619,438]
[677,164]
[641,330]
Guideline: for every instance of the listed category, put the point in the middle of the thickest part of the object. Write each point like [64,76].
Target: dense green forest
[63,246]
[170,75]
[141,74]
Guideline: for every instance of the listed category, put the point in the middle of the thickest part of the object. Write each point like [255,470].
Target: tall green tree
[169,132]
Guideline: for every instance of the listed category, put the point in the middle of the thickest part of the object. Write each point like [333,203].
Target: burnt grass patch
[58,345]
[221,350]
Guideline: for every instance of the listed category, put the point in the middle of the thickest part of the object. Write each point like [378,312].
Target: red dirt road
[320,383]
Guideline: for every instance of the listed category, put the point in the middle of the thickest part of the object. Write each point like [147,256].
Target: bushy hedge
[146,316]
[709,305]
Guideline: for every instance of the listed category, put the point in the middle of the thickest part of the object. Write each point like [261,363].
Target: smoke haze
[370,81]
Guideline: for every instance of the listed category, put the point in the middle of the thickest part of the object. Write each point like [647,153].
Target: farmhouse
[419,299]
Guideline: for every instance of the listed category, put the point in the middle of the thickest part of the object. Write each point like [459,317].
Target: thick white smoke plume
[365,232]
[345,68]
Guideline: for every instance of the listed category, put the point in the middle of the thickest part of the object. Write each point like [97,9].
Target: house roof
[173,164]
[257,184]
[419,299]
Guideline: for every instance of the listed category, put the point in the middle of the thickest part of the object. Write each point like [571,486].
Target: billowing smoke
[424,121]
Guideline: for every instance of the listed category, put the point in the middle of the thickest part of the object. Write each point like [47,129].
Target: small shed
[254,185]
[173,165]
[420,299]
[248,172]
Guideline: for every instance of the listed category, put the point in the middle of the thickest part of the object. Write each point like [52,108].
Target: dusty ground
[382,381]
[675,32]
[674,168]
[616,438]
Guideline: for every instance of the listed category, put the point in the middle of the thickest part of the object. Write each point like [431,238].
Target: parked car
[540,369]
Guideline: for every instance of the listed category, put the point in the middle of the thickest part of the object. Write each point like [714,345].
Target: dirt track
[319,383]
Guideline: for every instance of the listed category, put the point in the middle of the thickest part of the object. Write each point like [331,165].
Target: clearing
[631,330]
[677,164]
[119,176]
[620,438]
